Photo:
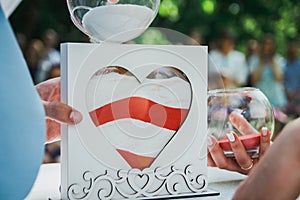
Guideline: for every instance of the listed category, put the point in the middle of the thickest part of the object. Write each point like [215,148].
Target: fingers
[216,154]
[45,89]
[216,158]
[264,140]
[241,124]
[210,161]
[241,156]
[113,1]
[62,112]
[53,131]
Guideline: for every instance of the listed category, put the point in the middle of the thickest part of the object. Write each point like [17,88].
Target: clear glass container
[242,110]
[113,20]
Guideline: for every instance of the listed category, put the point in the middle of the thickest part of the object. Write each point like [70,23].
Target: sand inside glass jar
[117,23]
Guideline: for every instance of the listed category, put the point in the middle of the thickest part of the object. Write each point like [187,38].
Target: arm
[277,72]
[256,75]
[22,120]
[280,168]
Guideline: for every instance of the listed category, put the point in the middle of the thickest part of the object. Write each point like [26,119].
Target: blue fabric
[292,77]
[22,120]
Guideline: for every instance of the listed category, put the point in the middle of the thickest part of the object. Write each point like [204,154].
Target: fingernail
[264,131]
[230,137]
[209,141]
[75,116]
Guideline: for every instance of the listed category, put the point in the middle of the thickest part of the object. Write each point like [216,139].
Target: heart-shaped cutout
[138,118]
[141,180]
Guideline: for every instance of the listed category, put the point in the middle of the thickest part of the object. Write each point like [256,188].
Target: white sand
[117,23]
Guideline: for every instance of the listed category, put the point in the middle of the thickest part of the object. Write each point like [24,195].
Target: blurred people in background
[212,45]
[227,67]
[22,41]
[267,73]
[195,37]
[292,79]
[33,55]
[52,152]
[50,55]
[54,71]
[251,56]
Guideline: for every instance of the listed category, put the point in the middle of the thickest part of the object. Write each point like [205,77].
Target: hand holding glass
[243,110]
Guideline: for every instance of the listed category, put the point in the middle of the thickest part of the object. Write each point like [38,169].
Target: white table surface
[48,181]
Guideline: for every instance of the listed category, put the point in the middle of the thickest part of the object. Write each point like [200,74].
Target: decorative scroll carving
[136,183]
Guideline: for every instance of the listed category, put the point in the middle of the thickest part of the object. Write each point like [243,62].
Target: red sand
[249,142]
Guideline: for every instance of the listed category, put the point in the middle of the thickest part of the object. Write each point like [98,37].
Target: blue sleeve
[22,120]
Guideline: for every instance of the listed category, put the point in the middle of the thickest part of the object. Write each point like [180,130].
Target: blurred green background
[248,19]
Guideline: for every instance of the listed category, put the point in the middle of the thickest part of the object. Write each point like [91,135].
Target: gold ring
[248,168]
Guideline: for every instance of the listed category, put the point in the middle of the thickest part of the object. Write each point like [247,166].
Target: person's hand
[242,162]
[56,112]
[113,1]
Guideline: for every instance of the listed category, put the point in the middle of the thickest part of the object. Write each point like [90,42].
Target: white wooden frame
[96,171]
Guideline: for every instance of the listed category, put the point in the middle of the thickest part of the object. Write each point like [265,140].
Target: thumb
[62,112]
